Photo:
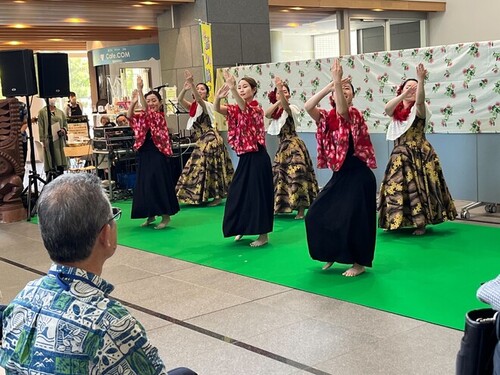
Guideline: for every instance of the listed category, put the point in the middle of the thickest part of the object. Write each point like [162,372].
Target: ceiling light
[149,3]
[56,40]
[378,10]
[137,6]
[19,1]
[297,8]
[75,20]
[19,26]
[292,24]
[14,43]
[139,28]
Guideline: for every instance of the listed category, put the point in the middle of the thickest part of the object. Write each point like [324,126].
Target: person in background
[413,192]
[341,223]
[121,120]
[66,322]
[23,116]
[58,121]
[154,193]
[249,204]
[106,122]
[295,185]
[209,170]
[73,108]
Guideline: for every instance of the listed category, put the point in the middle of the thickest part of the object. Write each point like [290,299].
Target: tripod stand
[33,177]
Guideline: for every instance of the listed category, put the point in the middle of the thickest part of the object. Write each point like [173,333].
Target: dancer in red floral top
[341,222]
[154,192]
[249,204]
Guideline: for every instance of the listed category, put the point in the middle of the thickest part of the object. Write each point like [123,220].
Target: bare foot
[419,231]
[300,213]
[355,270]
[327,265]
[238,237]
[150,220]
[262,240]
[215,202]
[164,222]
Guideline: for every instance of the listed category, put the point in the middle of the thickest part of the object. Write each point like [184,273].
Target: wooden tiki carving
[11,162]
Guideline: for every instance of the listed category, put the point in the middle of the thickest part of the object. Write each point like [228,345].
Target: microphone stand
[33,176]
[179,110]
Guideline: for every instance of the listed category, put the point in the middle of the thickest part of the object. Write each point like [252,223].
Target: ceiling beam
[389,5]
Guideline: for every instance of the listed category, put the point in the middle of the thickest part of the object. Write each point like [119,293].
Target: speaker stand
[33,177]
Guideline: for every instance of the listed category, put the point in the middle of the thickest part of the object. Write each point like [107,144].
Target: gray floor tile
[247,320]
[312,341]
[228,282]
[150,262]
[427,349]
[175,298]
[208,356]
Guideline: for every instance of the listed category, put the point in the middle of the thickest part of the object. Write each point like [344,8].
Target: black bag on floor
[477,347]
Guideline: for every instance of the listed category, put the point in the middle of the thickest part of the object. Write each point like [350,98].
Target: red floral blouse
[155,122]
[333,139]
[245,128]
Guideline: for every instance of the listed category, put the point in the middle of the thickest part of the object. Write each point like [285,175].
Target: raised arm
[133,104]
[231,82]
[338,93]
[311,105]
[222,92]
[140,87]
[283,99]
[420,97]
[197,97]
[269,111]
[181,98]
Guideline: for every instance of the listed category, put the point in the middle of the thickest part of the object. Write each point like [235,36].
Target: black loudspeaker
[17,72]
[53,75]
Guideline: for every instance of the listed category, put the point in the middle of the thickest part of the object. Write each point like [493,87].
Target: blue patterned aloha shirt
[65,323]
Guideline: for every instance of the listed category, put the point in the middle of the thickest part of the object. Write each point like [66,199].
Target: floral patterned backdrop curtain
[462,86]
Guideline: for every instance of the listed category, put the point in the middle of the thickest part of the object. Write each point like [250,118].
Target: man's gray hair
[72,210]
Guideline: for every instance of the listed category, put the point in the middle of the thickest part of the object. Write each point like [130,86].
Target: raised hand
[135,96]
[421,72]
[278,82]
[188,76]
[140,83]
[223,91]
[410,91]
[336,71]
[229,78]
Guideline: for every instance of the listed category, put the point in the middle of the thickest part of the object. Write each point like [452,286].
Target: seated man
[122,120]
[65,322]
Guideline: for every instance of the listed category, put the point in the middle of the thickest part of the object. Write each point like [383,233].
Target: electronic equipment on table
[113,138]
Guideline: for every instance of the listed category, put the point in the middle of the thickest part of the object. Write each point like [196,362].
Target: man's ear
[104,237]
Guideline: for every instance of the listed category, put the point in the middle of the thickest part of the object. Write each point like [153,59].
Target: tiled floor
[220,323]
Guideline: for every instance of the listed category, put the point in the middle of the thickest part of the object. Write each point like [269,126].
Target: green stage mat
[433,277]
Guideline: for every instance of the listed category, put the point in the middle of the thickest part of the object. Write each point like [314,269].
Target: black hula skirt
[154,192]
[249,204]
[341,222]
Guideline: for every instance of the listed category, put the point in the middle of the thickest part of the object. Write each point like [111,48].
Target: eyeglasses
[117,214]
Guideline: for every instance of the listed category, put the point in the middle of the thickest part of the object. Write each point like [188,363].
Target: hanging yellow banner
[206,50]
